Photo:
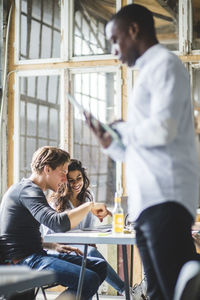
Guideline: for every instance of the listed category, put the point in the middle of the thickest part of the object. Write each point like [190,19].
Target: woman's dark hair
[62,197]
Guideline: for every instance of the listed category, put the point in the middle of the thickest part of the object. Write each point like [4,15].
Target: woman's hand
[67,249]
[100,211]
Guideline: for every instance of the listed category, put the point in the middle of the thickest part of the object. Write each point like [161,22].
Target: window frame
[64,29]
[16,135]
[108,69]
[71,43]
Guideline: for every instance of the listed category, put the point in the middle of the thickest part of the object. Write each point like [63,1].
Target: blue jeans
[67,268]
[112,277]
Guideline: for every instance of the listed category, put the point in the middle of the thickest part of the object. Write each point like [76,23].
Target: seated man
[24,207]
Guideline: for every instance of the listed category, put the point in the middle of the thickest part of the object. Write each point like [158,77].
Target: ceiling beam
[171,6]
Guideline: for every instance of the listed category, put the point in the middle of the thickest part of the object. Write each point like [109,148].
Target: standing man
[159,150]
[24,207]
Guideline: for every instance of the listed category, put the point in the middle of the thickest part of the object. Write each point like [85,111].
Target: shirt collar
[147,56]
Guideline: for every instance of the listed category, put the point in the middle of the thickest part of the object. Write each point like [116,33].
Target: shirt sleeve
[168,89]
[115,151]
[35,201]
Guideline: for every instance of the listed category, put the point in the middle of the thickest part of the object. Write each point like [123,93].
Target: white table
[19,278]
[86,238]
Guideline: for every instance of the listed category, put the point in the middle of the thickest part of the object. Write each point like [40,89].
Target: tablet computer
[115,136]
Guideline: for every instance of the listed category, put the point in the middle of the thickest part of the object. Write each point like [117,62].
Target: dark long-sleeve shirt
[24,207]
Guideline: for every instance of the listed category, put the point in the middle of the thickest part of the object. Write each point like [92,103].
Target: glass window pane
[90,18]
[24,6]
[31,118]
[46,47]
[43,121]
[40,34]
[41,88]
[196,24]
[166,21]
[54,123]
[196,86]
[22,117]
[53,89]
[39,118]
[86,147]
[36,9]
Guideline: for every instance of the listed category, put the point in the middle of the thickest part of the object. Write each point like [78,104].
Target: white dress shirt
[160,153]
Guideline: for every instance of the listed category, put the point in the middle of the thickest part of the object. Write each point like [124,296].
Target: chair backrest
[2,260]
[6,249]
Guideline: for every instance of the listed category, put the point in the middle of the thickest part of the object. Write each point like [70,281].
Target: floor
[53,295]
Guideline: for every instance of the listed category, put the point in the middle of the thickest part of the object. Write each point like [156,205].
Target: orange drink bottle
[118,216]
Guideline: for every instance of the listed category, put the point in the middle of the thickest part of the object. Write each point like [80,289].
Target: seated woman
[77,193]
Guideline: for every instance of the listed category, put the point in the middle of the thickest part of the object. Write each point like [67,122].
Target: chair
[30,294]
[43,288]
[24,295]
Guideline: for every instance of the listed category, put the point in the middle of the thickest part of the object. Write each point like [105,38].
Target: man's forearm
[77,214]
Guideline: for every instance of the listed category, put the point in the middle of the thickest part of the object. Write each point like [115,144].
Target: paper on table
[94,120]
[101,228]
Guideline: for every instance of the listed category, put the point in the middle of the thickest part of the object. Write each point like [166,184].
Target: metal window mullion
[16,131]
[90,131]
[42,22]
[97,178]
[81,33]
[87,18]
[65,28]
[48,118]
[37,125]
[62,81]
[99,157]
[185,38]
[42,138]
[41,26]
[81,123]
[52,28]
[40,102]
[29,14]
[119,115]
[47,90]
[25,122]
[17,31]
[82,38]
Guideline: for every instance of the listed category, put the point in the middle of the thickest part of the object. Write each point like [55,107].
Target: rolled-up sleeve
[35,201]
[168,95]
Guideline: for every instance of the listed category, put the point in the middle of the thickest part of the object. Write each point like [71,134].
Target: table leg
[125,264]
[80,282]
[131,268]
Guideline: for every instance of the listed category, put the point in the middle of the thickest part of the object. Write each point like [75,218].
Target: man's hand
[104,137]
[100,211]
[61,248]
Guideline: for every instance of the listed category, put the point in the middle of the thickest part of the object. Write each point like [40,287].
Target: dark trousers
[165,243]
